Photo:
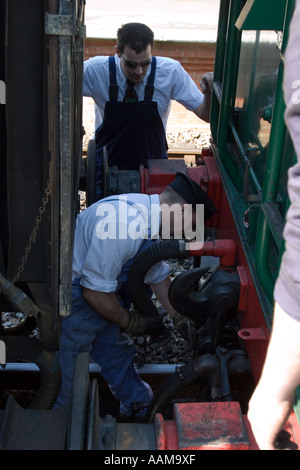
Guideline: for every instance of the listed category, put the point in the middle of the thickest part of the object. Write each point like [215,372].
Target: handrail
[229,41]
[272,172]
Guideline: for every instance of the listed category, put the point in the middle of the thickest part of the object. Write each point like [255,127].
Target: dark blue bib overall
[131,132]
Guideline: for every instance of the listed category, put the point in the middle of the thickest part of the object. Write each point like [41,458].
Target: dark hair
[136,35]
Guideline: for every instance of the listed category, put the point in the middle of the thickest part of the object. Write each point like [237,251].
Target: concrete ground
[178,20]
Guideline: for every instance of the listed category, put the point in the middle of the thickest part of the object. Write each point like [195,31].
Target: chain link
[38,219]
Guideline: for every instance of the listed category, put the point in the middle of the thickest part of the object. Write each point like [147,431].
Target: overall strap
[149,88]
[113,87]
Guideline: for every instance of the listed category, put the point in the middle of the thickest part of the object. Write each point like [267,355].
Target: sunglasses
[133,65]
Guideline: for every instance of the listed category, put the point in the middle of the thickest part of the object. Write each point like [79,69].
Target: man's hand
[206,82]
[206,85]
[186,328]
[273,397]
[141,325]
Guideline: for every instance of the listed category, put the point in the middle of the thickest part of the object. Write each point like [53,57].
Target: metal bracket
[64,25]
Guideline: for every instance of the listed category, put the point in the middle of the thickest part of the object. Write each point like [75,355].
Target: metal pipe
[228,85]
[226,250]
[17,298]
[209,365]
[219,66]
[183,376]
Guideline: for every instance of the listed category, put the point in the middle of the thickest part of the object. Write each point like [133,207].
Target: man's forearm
[206,84]
[161,290]
[107,306]
[203,111]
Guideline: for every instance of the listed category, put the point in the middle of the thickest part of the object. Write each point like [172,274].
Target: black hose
[141,265]
[183,377]
[26,349]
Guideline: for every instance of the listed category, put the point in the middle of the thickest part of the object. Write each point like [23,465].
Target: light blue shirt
[111,232]
[172,82]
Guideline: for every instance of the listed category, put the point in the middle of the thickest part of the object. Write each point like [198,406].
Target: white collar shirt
[172,82]
[111,232]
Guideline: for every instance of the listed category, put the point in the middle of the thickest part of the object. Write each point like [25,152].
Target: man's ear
[118,51]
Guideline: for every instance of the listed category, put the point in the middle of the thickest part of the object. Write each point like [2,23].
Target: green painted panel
[262,15]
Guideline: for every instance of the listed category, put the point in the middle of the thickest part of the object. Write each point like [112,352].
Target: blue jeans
[84,330]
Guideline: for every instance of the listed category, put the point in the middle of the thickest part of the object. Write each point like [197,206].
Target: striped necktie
[130,93]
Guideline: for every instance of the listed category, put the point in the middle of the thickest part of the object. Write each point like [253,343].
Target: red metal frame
[228,245]
[203,426]
[199,427]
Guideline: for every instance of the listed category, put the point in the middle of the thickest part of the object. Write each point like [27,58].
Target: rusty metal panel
[210,426]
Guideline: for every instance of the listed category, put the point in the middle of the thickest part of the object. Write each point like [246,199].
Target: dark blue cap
[192,193]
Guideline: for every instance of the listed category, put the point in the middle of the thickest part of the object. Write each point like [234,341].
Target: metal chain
[38,219]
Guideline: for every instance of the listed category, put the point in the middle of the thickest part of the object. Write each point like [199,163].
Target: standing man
[132,93]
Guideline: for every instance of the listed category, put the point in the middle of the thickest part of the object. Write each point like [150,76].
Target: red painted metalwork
[250,311]
[203,426]
[226,250]
[220,426]
[208,177]
[156,178]
[211,426]
[160,173]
